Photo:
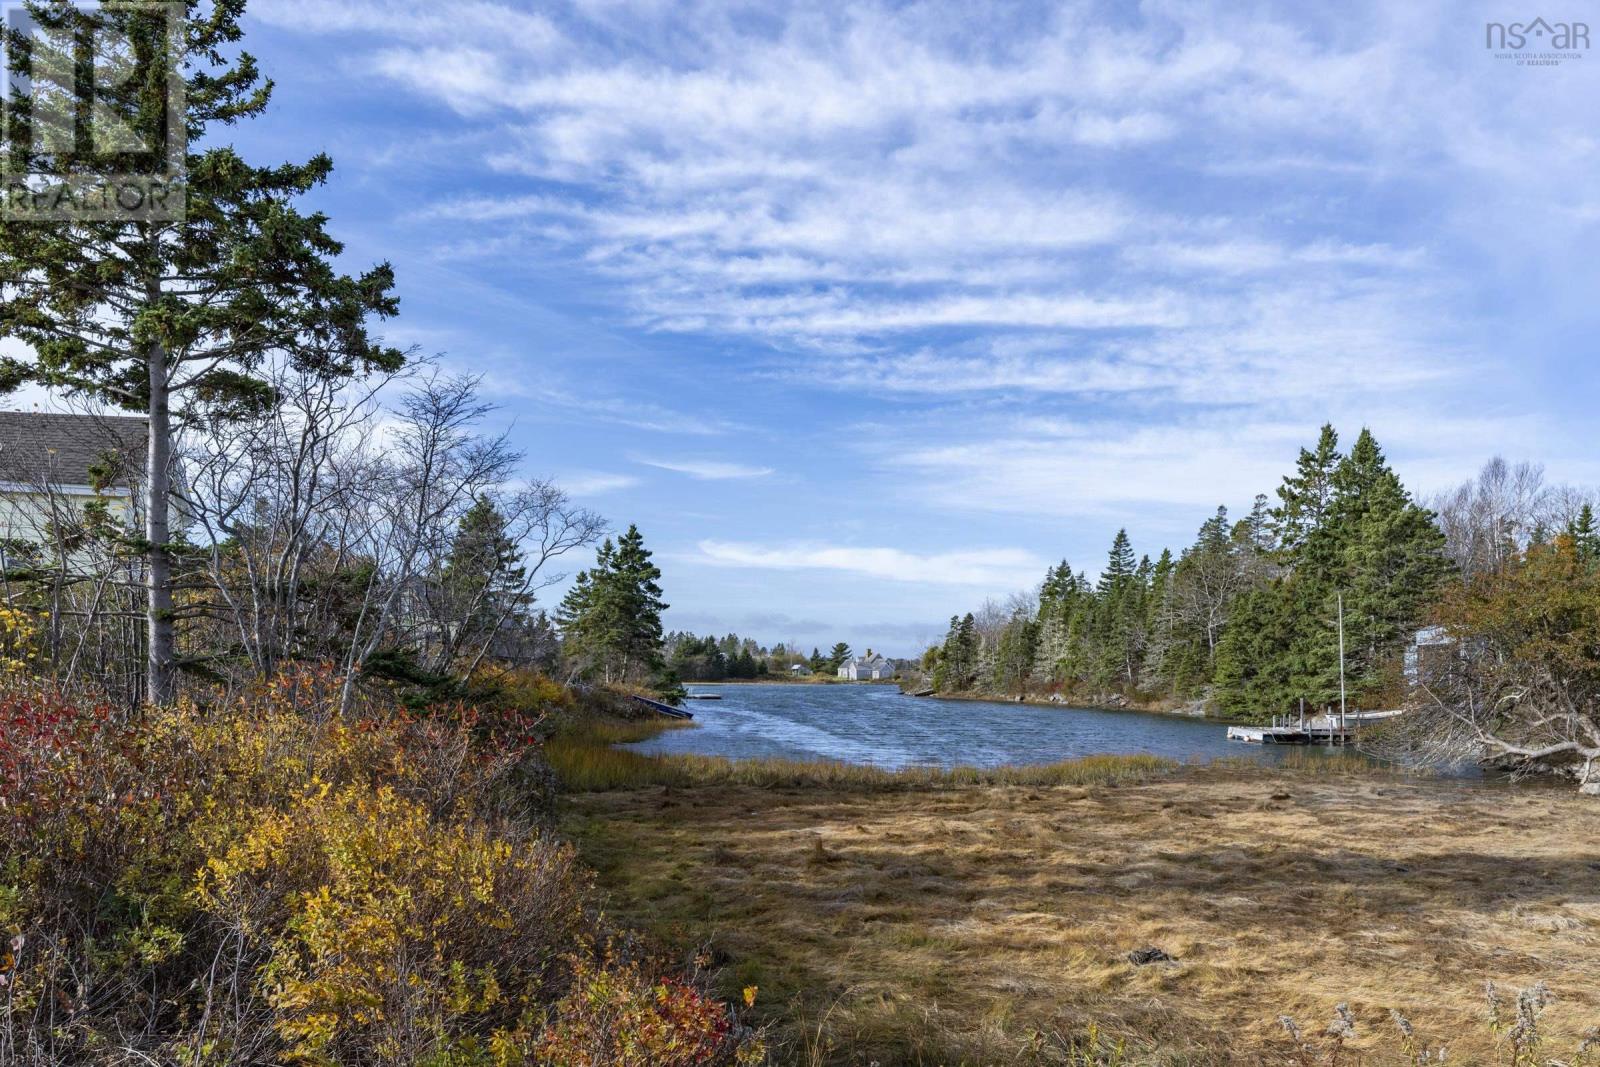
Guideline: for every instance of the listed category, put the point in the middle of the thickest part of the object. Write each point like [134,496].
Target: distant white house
[869,668]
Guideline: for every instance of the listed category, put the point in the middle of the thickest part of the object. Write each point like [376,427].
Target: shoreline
[1141,708]
[1168,711]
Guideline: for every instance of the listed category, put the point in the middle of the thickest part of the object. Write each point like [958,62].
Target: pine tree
[967,649]
[483,583]
[637,587]
[611,617]
[176,318]
[1305,496]
[1253,670]
[1014,654]
[1394,560]
[1585,534]
[1120,615]
[1119,564]
[838,655]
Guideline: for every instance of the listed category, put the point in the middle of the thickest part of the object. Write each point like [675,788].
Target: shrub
[615,1016]
[389,935]
[263,879]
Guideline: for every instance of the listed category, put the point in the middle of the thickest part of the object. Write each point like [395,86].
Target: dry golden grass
[991,924]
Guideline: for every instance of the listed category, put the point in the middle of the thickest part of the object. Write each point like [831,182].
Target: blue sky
[864,313]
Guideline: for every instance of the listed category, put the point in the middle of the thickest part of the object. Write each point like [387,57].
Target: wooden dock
[1316,730]
[665,709]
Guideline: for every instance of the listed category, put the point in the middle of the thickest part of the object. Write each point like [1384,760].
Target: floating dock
[1317,730]
[705,696]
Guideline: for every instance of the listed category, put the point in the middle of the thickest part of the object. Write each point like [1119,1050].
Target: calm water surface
[875,724]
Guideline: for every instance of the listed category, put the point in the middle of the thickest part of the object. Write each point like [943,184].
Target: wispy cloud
[706,470]
[1049,264]
[992,568]
[595,483]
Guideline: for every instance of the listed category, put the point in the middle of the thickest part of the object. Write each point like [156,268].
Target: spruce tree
[967,649]
[611,617]
[1393,559]
[1120,615]
[636,581]
[483,582]
[1305,496]
[174,318]
[1585,535]
[838,655]
[1014,654]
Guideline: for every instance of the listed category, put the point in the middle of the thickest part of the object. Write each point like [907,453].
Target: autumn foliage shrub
[618,1016]
[265,879]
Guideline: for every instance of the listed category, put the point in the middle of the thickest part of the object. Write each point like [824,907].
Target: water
[876,724]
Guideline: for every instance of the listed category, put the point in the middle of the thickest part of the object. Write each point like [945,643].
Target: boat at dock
[1325,729]
[1317,730]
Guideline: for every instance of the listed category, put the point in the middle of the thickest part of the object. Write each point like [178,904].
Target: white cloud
[708,470]
[1196,233]
[594,483]
[989,568]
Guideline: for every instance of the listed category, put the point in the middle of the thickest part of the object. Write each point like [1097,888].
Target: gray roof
[38,447]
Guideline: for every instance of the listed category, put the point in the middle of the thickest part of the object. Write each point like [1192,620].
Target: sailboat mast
[1341,660]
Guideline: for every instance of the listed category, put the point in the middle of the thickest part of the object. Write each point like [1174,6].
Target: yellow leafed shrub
[391,934]
[267,879]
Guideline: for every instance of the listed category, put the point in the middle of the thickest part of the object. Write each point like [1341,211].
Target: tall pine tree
[611,617]
[173,318]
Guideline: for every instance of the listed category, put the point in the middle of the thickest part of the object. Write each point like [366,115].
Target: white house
[53,466]
[869,668]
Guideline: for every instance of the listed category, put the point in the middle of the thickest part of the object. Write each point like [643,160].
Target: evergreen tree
[1394,560]
[611,617]
[1252,675]
[1119,564]
[483,583]
[1305,496]
[966,652]
[1120,615]
[957,670]
[1585,535]
[1014,654]
[173,318]
[745,665]
[837,656]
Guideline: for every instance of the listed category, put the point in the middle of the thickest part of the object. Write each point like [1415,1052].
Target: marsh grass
[584,755]
[993,925]
[1318,763]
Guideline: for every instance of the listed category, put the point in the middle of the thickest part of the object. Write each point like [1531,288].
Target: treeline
[711,659]
[1248,616]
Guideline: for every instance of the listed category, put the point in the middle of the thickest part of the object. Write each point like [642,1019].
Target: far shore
[1044,702]
[784,679]
[1147,708]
